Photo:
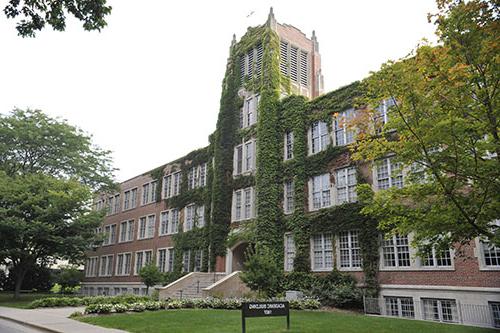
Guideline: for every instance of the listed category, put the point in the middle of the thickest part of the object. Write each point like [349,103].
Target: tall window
[91,267]
[147,226]
[495,313]
[114,204]
[345,185]
[197,176]
[436,258]
[176,186]
[294,63]
[288,145]
[110,237]
[382,114]
[319,137]
[186,257]
[189,217]
[491,254]
[249,111]
[399,307]
[289,252]
[169,222]
[389,174]
[142,258]
[443,310]
[106,265]
[130,199]
[349,250]
[149,193]
[288,202]
[396,251]
[320,191]
[198,260]
[244,158]
[123,264]
[322,252]
[343,135]
[127,231]
[243,204]
[162,260]
[170,262]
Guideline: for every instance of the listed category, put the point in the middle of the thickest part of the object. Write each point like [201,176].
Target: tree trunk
[147,290]
[20,273]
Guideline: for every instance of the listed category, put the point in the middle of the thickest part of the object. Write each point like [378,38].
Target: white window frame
[479,252]
[131,203]
[392,167]
[342,176]
[144,260]
[248,152]
[289,141]
[108,267]
[129,233]
[323,203]
[186,254]
[174,180]
[324,251]
[290,251]
[397,253]
[113,204]
[324,138]
[243,192]
[198,265]
[340,123]
[440,301]
[435,266]
[402,312]
[109,240]
[168,253]
[92,266]
[352,240]
[249,111]
[121,271]
[150,196]
[289,200]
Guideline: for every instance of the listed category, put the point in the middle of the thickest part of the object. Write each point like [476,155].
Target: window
[114,204]
[319,137]
[345,185]
[169,222]
[248,115]
[244,158]
[123,264]
[189,217]
[198,260]
[186,255]
[289,252]
[165,260]
[288,145]
[444,310]
[249,66]
[388,174]
[99,204]
[343,135]
[495,313]
[149,193]
[147,227]
[304,74]
[106,266]
[172,185]
[130,199]
[197,176]
[349,250]
[320,191]
[91,267]
[382,114]
[142,258]
[127,231]
[399,307]
[288,203]
[294,63]
[396,252]
[436,258]
[200,216]
[110,237]
[322,252]
[491,254]
[243,204]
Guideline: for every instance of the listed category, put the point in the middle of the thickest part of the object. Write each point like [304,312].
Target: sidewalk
[53,320]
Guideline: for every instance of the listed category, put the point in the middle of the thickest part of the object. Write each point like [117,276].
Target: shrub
[99,308]
[262,274]
[76,314]
[300,281]
[338,290]
[120,308]
[137,307]
[153,306]
[305,304]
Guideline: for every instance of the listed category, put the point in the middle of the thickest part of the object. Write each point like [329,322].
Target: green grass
[227,321]
[7,299]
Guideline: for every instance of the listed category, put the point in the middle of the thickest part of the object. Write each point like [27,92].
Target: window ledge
[486,268]
[347,269]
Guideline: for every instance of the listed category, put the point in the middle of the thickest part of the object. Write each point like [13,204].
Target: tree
[35,14]
[442,130]
[69,277]
[48,172]
[150,275]
[261,273]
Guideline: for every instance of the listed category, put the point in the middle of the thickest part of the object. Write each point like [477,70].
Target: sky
[147,87]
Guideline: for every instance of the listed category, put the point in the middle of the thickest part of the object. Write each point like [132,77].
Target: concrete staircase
[190,286]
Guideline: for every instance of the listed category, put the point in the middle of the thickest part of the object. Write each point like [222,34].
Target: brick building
[189,215]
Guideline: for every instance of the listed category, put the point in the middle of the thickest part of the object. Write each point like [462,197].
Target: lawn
[229,321]
[7,299]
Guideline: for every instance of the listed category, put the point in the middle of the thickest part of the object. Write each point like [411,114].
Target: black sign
[264,309]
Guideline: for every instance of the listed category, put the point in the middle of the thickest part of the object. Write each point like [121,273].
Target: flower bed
[206,303]
[79,301]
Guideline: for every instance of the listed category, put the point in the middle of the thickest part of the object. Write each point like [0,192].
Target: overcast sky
[148,86]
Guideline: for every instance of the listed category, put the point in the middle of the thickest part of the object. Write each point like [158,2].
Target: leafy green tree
[443,130]
[48,173]
[150,275]
[35,14]
[261,272]
[69,277]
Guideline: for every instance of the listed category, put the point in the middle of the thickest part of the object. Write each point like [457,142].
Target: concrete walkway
[53,320]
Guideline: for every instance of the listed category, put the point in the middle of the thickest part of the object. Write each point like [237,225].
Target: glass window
[319,137]
[343,135]
[443,310]
[321,191]
[289,195]
[349,250]
[288,145]
[289,252]
[322,252]
[396,251]
[399,307]
[345,185]
[389,174]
